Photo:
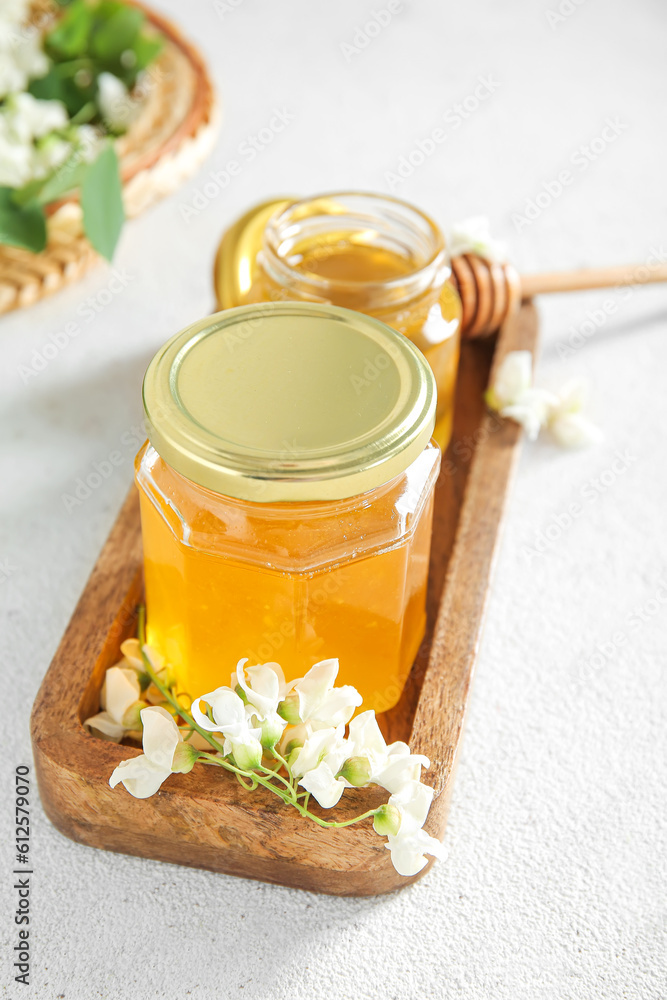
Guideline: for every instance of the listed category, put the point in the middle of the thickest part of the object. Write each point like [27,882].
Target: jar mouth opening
[377,221]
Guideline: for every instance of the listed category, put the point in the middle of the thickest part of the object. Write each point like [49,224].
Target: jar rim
[409,221]
[289,401]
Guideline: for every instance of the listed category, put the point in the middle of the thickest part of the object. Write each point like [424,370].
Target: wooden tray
[205,819]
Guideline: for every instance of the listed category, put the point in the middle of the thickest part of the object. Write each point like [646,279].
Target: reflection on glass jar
[286,498]
[374,254]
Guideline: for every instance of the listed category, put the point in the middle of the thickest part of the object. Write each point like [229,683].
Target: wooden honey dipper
[490,292]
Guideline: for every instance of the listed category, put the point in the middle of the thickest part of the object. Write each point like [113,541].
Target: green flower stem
[288,784]
[289,796]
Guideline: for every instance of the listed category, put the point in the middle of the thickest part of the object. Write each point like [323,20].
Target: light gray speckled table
[555,883]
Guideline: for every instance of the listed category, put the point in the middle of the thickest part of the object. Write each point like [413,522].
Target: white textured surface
[555,883]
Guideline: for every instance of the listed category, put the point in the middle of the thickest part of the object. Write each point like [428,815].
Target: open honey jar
[287,496]
[368,252]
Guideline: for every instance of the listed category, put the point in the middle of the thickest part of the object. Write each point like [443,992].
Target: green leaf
[102,202]
[66,178]
[116,34]
[70,36]
[59,84]
[21,226]
[146,49]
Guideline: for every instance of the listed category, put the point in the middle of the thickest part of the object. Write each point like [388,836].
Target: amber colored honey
[353,267]
[293,583]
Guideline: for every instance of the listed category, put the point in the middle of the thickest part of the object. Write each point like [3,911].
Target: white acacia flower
[531,409]
[116,105]
[392,766]
[21,55]
[513,377]
[514,396]
[411,843]
[317,763]
[567,423]
[120,690]
[327,745]
[264,686]
[16,161]
[143,775]
[473,235]
[320,703]
[231,719]
[322,784]
[30,118]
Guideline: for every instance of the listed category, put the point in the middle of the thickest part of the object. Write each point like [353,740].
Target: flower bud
[356,770]
[132,717]
[288,709]
[185,758]
[387,820]
[241,693]
[272,730]
[247,756]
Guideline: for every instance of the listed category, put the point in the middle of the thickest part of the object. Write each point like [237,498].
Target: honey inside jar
[376,255]
[278,583]
[286,507]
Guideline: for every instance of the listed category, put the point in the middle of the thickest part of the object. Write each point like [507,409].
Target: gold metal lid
[289,401]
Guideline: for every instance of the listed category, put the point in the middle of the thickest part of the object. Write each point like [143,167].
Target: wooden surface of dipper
[205,819]
[490,292]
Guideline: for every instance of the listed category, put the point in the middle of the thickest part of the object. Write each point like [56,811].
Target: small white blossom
[231,719]
[120,690]
[317,763]
[143,775]
[567,423]
[320,703]
[21,55]
[473,236]
[322,784]
[16,162]
[264,686]
[514,396]
[115,103]
[411,843]
[391,765]
[30,118]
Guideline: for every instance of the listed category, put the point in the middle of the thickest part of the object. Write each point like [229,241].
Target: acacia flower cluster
[297,739]
[513,395]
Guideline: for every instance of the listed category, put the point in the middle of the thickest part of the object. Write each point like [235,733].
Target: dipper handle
[491,292]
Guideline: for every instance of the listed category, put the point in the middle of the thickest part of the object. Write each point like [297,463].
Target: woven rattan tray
[167,142]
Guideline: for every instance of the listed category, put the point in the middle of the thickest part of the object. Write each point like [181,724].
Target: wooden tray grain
[205,819]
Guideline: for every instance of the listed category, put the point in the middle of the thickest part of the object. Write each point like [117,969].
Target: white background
[554,887]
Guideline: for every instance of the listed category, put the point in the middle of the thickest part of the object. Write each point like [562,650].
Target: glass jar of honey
[374,254]
[287,495]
